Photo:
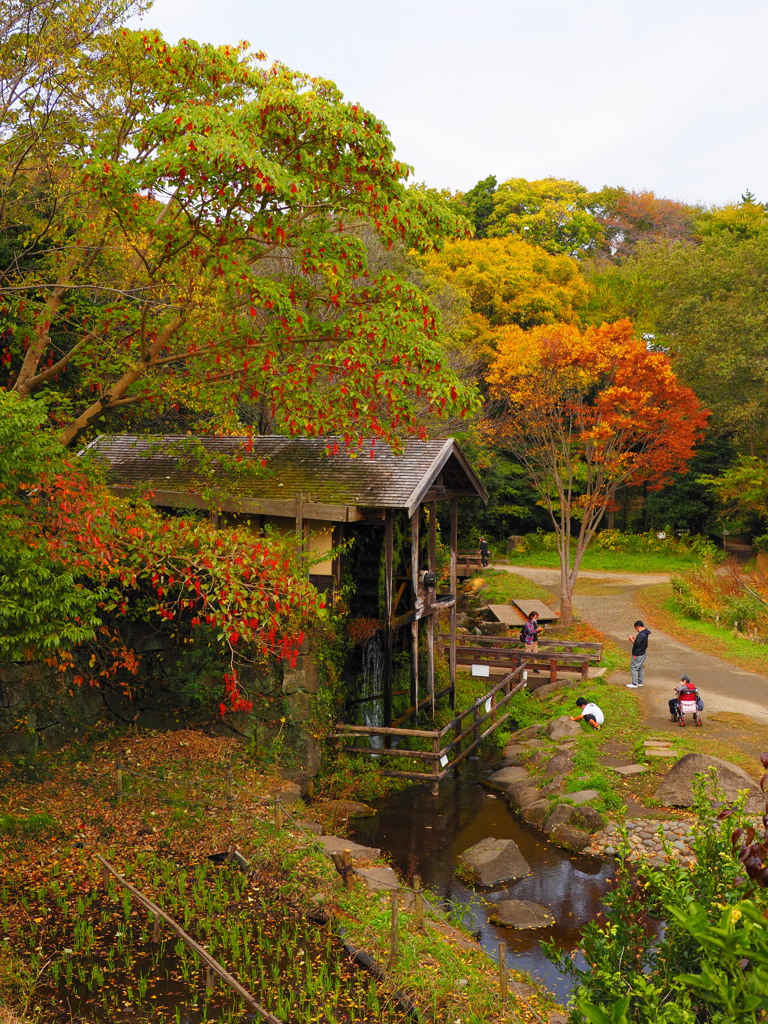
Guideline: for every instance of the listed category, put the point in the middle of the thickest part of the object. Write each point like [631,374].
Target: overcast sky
[663,95]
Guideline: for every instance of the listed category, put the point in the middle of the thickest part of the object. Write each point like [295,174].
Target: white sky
[664,95]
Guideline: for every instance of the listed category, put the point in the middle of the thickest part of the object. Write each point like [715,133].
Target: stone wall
[41,708]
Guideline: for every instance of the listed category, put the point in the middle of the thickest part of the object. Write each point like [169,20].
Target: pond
[423,835]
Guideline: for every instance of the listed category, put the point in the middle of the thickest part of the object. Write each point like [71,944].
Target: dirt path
[607,602]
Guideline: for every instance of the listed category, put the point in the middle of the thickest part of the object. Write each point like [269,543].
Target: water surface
[423,835]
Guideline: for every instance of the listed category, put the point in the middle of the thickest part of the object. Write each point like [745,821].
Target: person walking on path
[529,634]
[483,551]
[639,651]
[589,712]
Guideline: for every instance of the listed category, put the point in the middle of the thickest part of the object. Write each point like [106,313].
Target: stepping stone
[582,796]
[505,777]
[630,769]
[344,808]
[333,844]
[379,878]
[520,914]
[660,752]
[492,862]
[658,743]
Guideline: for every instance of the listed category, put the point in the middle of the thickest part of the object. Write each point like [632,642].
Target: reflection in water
[423,835]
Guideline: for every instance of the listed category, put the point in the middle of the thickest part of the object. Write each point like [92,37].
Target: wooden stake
[347,869]
[503,969]
[209,978]
[278,812]
[119,791]
[418,905]
[394,904]
[228,784]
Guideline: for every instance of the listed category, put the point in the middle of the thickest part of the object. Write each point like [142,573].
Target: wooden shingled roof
[273,475]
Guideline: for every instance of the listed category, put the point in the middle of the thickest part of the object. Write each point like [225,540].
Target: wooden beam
[252,506]
[415,623]
[389,561]
[454,591]
[431,621]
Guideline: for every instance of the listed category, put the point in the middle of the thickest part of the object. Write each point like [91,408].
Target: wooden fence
[474,724]
[509,652]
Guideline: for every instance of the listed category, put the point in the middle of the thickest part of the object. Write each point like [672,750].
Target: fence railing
[474,724]
[509,652]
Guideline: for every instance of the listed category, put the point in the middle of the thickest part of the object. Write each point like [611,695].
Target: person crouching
[589,713]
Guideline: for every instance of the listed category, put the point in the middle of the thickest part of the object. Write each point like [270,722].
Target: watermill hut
[385,504]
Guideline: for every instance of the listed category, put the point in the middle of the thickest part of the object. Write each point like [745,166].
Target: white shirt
[593,709]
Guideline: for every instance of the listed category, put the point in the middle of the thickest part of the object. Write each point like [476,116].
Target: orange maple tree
[586,413]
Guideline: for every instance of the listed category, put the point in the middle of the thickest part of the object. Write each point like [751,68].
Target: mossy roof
[317,470]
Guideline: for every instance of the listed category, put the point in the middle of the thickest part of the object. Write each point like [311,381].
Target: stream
[423,835]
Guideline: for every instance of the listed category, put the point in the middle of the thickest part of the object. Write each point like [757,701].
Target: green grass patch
[500,587]
[659,604]
[31,825]
[613,561]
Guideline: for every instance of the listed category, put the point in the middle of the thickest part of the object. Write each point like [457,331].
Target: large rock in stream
[492,862]
[520,914]
[676,789]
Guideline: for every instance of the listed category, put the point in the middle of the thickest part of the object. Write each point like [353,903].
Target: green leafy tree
[552,213]
[478,204]
[193,226]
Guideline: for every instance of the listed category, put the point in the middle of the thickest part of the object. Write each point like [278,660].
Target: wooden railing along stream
[476,723]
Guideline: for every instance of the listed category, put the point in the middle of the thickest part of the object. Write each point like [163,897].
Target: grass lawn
[659,602]
[612,561]
[500,587]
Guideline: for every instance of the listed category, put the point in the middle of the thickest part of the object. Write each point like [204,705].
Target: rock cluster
[645,840]
[541,800]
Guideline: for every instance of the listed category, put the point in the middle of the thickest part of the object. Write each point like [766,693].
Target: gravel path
[607,602]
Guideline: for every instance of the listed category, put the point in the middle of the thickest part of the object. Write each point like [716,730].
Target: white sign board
[488,706]
[481,670]
[443,761]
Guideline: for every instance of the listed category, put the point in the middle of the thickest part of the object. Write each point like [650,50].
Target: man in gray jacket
[639,651]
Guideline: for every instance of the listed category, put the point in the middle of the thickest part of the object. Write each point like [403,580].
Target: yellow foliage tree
[501,281]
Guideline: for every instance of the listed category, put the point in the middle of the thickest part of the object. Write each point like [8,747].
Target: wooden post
[418,904]
[431,621]
[436,766]
[209,978]
[393,928]
[389,570]
[228,784]
[503,970]
[278,812]
[415,623]
[553,671]
[119,790]
[454,591]
[346,863]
